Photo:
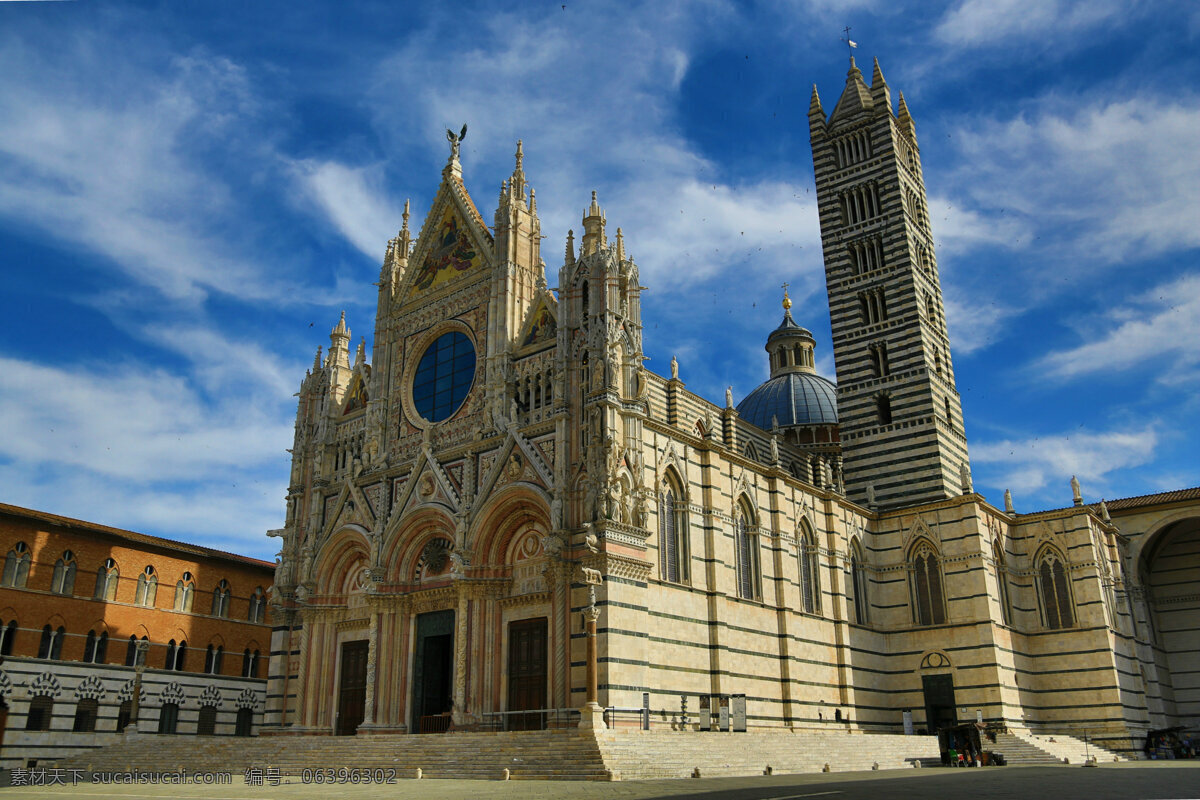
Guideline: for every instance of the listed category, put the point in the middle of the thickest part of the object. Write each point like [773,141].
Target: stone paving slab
[1178,779]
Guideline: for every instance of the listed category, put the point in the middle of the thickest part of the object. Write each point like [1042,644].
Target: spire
[905,120]
[516,183]
[856,97]
[620,246]
[360,355]
[339,344]
[881,96]
[593,228]
[569,259]
[317,359]
[815,111]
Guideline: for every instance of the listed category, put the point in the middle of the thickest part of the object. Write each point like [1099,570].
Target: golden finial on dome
[787,301]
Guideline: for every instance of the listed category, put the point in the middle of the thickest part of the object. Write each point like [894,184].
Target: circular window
[444,376]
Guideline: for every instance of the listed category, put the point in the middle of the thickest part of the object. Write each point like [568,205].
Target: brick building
[77,598]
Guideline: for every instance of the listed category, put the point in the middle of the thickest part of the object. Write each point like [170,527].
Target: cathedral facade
[506,467]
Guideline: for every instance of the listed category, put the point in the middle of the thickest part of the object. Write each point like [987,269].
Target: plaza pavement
[1176,779]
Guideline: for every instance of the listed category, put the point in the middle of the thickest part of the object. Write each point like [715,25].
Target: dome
[794,398]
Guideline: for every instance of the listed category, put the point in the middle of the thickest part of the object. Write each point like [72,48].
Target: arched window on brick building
[63,581]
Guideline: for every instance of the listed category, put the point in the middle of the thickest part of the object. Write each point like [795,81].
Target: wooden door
[526,673]
[352,688]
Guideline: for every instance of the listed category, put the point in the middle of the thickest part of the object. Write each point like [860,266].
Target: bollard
[419,774]
[875,766]
[507,774]
[917,763]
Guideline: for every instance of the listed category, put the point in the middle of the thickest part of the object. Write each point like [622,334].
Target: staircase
[528,755]
[644,755]
[1025,749]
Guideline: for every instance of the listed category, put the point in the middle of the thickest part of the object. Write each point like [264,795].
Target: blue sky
[191,192]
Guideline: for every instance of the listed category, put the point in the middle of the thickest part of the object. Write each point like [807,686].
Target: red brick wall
[36,606]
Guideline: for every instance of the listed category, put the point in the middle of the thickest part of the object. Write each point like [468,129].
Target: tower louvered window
[1055,591]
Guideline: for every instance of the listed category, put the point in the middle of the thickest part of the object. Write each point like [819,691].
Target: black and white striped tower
[899,412]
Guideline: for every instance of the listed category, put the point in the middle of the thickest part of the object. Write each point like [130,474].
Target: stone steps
[531,755]
[645,755]
[1055,748]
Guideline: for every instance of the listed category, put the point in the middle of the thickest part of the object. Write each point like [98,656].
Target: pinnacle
[877,76]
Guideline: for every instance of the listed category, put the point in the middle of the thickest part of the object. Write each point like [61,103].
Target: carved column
[372,656]
[302,674]
[460,656]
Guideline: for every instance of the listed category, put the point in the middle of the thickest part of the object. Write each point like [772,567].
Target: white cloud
[1054,22]
[1038,464]
[1096,181]
[1163,323]
[975,320]
[354,201]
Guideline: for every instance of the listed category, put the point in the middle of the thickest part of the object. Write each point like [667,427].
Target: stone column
[372,655]
[591,716]
[460,657]
[301,716]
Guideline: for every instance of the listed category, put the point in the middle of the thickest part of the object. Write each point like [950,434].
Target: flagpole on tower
[850,43]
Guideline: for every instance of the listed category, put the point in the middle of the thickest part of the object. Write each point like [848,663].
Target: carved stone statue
[729,397]
[674,368]
[964,474]
[871,495]
[1008,504]
[1076,492]
[455,141]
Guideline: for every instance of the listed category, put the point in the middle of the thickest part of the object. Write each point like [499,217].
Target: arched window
[245,722]
[41,709]
[51,645]
[7,634]
[928,604]
[95,650]
[106,581]
[181,656]
[168,718]
[212,660]
[132,657]
[147,587]
[858,584]
[672,534]
[258,605]
[249,663]
[16,566]
[1055,589]
[810,576]
[124,713]
[1002,582]
[185,588]
[63,581]
[220,599]
[206,723]
[169,660]
[85,715]
[749,578]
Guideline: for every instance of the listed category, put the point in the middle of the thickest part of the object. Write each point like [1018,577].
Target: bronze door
[526,673]
[352,688]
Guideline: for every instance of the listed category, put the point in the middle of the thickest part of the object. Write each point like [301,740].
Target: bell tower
[899,412]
